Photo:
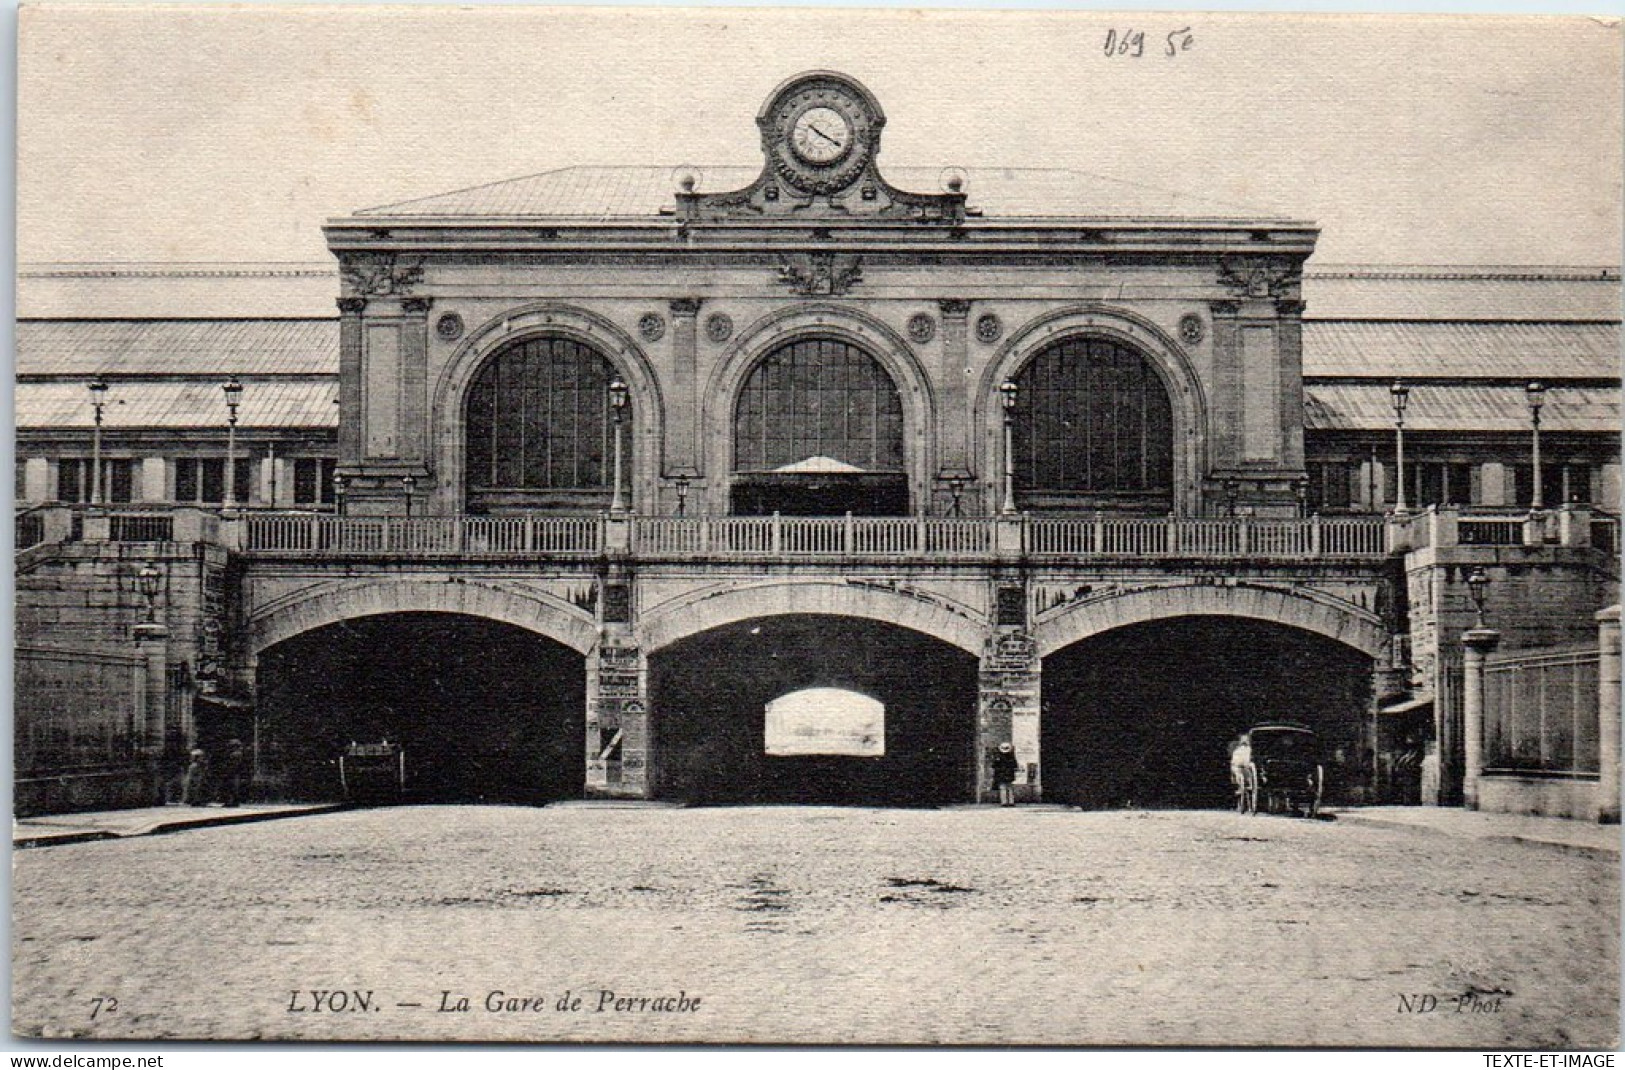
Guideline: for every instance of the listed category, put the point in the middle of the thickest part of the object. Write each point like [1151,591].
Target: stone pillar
[152,640]
[154,479]
[1608,705]
[618,739]
[1493,483]
[1009,698]
[1480,642]
[415,383]
[37,479]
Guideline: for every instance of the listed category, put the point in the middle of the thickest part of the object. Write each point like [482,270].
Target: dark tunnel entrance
[864,713]
[1141,716]
[487,712]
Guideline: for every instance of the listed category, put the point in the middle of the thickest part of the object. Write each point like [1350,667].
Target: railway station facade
[811,481]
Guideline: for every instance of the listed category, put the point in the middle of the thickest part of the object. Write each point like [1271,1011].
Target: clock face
[821,135]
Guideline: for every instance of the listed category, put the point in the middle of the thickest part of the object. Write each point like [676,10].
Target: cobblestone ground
[821,925]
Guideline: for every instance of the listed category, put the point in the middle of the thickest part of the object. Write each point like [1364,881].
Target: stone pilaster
[351,349]
[954,431]
[682,407]
[414,416]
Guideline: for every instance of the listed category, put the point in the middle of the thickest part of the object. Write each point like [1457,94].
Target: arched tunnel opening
[863,713]
[485,711]
[1142,716]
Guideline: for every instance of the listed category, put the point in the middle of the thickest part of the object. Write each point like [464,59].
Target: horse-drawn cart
[1278,766]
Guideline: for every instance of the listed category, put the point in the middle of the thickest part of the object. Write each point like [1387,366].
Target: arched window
[1093,430]
[541,434]
[818,429]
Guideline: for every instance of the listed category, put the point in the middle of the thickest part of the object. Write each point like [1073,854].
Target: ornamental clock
[820,132]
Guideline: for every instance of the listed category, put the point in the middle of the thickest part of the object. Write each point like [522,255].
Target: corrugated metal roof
[175,291]
[177,347]
[600,193]
[1474,293]
[1462,350]
[1458,407]
[266,403]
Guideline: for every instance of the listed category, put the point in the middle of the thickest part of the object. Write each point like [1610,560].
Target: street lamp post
[1400,394]
[617,404]
[234,396]
[956,491]
[682,495]
[1536,394]
[1478,585]
[149,578]
[98,403]
[1007,395]
[409,483]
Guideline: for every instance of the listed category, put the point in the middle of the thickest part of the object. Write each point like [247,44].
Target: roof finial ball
[687,179]
[953,179]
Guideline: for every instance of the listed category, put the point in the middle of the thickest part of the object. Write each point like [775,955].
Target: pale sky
[230,134]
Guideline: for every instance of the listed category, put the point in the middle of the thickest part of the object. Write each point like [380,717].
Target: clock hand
[813,127]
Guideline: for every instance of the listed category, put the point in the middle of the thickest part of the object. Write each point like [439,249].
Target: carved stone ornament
[989,328]
[449,327]
[685,306]
[719,326]
[417,306]
[1258,276]
[820,274]
[380,274]
[954,307]
[1191,328]
[921,328]
[651,326]
[352,306]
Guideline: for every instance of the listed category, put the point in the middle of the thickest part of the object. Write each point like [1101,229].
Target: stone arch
[1167,359]
[1346,623]
[935,617]
[449,415]
[850,325]
[334,602]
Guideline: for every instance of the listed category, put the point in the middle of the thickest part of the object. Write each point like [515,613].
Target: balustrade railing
[815,538]
[318,535]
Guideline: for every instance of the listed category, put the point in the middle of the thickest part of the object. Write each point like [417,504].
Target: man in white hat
[1004,773]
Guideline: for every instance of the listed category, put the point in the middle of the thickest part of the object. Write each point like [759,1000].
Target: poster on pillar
[942,528]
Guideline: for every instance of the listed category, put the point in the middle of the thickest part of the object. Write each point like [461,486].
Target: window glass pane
[117,479]
[214,479]
[329,469]
[305,474]
[186,479]
[818,398]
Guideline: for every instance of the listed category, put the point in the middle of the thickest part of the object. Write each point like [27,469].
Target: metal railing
[813,537]
[1230,538]
[141,527]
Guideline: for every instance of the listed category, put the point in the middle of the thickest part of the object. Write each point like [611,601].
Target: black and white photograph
[717,526]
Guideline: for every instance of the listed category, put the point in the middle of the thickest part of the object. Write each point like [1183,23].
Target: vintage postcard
[817,527]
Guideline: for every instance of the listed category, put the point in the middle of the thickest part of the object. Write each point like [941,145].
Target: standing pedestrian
[195,787]
[1004,773]
[232,774]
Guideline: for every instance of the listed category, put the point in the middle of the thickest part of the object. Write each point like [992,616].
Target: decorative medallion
[921,328]
[719,326]
[449,327]
[651,325]
[988,328]
[1190,328]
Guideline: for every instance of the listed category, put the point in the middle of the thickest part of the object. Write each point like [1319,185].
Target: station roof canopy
[1459,408]
[285,402]
[215,347]
[604,194]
